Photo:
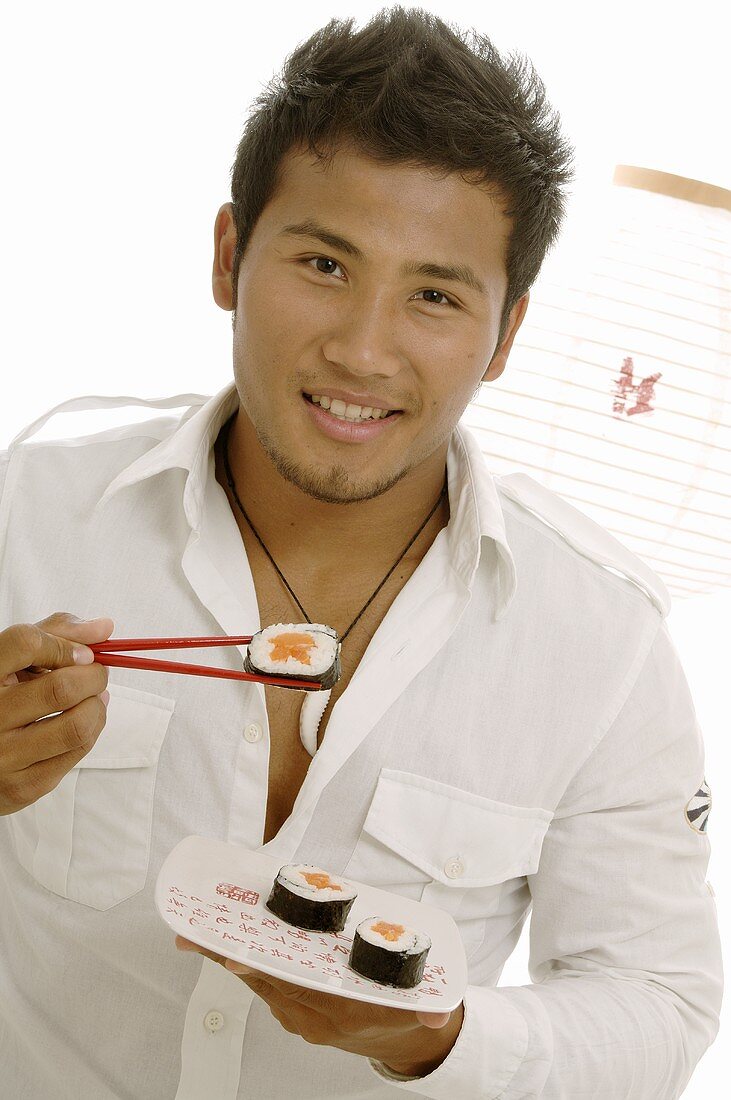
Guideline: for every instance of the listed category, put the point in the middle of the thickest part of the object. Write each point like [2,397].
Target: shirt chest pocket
[445,846]
[88,840]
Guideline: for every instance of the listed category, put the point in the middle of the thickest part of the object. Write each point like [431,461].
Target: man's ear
[224,245]
[500,358]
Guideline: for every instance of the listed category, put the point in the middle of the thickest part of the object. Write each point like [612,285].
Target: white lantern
[617,393]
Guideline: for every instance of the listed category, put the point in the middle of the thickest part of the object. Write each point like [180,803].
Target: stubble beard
[333,486]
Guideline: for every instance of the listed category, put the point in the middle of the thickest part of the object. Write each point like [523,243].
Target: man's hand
[414,1043]
[46,669]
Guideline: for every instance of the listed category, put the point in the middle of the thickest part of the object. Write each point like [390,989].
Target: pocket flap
[135,729]
[459,839]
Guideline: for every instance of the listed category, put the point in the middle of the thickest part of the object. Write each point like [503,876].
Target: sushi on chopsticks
[389,953]
[309,652]
[308,897]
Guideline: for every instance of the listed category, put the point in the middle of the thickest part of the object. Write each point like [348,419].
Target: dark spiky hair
[410,89]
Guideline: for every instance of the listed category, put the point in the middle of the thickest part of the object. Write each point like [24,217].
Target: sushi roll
[389,953]
[301,651]
[309,897]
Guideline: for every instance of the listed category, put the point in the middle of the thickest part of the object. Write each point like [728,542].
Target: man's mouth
[355,414]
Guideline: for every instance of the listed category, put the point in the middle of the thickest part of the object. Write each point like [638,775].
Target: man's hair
[409,89]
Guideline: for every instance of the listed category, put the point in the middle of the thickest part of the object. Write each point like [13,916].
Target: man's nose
[365,338]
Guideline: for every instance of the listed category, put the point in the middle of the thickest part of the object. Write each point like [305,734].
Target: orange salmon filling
[320,881]
[292,645]
[390,932]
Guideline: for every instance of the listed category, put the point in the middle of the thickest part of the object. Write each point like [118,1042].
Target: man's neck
[300,530]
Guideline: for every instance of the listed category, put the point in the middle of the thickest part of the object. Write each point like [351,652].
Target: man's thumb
[65,625]
[433,1019]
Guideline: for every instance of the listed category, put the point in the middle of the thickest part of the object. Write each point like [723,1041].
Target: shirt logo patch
[699,807]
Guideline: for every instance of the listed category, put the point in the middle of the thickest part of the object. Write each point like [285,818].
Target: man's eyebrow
[453,273]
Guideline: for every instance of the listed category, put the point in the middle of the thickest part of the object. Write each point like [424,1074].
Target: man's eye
[322,260]
[447,301]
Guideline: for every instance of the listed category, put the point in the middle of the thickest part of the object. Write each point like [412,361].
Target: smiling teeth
[354,413]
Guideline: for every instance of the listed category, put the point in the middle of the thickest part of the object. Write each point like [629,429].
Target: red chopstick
[105,653]
[167,643]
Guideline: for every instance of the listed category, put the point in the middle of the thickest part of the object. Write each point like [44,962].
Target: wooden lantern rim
[677,187]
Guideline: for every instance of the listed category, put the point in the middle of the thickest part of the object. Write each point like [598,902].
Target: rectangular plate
[215,893]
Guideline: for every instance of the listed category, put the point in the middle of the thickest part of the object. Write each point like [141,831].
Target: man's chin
[333,486]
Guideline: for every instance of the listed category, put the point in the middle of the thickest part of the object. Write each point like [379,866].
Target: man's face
[317,318]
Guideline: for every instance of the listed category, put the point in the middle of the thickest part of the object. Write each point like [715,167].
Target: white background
[120,127]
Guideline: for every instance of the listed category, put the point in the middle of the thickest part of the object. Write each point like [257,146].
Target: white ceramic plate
[214,894]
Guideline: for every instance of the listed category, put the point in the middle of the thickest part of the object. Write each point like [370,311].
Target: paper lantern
[617,393]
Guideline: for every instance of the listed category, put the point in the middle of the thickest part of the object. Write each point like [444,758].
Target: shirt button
[454,867]
[253,732]
[213,1021]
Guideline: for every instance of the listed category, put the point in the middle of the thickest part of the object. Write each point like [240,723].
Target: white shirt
[520,715]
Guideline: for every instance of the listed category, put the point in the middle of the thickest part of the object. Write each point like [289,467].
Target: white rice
[292,876]
[321,656]
[410,941]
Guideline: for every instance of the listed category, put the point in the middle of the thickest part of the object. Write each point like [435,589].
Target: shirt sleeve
[625,954]
[3,470]
[4,463]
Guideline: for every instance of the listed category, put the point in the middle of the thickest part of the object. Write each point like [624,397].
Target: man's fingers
[51,712]
[286,990]
[88,631]
[42,645]
[187,945]
[264,984]
[279,994]
[75,730]
[25,645]
[239,968]
[48,756]
[433,1019]
[53,692]
[330,1005]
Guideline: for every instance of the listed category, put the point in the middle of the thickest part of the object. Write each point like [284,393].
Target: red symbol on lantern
[625,385]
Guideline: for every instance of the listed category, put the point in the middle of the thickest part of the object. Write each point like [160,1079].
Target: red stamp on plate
[237,893]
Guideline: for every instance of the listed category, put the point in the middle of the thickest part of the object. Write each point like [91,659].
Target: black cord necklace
[409,544]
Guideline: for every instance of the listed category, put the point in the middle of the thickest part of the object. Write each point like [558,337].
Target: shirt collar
[475,510]
[187,447]
[477,523]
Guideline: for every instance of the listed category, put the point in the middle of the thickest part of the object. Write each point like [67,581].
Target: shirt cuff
[488,1052]
[390,1074]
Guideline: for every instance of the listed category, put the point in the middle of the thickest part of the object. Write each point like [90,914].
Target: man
[511,725]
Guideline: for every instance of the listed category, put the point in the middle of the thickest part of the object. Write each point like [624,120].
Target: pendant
[313,708]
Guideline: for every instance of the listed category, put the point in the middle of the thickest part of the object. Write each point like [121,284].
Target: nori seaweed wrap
[389,953]
[309,897]
[300,651]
